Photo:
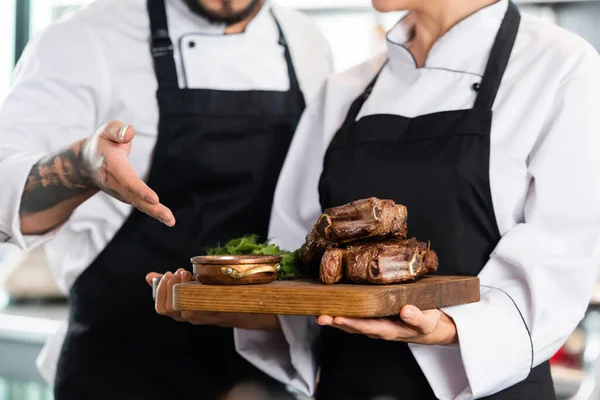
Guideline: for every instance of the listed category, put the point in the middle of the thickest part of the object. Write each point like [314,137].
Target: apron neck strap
[358,103]
[498,60]
[294,84]
[494,70]
[161,46]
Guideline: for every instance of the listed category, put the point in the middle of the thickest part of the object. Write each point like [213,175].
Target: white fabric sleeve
[287,356]
[53,102]
[540,277]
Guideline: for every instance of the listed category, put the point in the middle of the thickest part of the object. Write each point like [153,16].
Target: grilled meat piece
[390,261]
[363,219]
[365,242]
[332,267]
[357,259]
[311,252]
[386,262]
[400,264]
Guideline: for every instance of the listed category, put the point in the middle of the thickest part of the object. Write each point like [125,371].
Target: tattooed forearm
[54,179]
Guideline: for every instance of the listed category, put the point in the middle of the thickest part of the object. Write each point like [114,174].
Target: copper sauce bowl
[236,269]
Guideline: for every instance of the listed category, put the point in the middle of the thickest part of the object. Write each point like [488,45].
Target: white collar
[464,48]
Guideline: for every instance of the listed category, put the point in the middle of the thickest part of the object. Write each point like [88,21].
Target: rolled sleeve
[15,169]
[286,355]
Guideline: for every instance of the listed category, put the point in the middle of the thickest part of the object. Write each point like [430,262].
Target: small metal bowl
[236,270]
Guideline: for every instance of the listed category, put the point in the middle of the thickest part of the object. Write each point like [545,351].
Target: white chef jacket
[95,67]
[544,177]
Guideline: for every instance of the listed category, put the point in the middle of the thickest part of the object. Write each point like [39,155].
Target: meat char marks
[332,265]
[390,261]
[311,253]
[359,220]
[365,242]
[363,219]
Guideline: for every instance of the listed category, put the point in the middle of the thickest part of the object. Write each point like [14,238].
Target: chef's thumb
[151,276]
[423,322]
[117,132]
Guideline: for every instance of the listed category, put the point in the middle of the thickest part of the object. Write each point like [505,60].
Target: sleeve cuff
[439,364]
[15,169]
[495,349]
[287,355]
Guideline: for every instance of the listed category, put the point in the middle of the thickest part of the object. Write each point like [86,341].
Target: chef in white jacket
[485,125]
[213,91]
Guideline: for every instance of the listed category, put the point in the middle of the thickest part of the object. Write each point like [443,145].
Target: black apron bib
[438,166]
[215,165]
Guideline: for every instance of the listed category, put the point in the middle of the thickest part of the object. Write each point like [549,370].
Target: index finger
[161,294]
[383,328]
[124,183]
[117,166]
[176,279]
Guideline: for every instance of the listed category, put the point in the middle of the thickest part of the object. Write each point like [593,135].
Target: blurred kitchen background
[31,306]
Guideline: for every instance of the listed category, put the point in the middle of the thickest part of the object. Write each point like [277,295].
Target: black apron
[215,165]
[438,166]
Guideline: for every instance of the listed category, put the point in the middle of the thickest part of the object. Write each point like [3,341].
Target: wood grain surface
[303,297]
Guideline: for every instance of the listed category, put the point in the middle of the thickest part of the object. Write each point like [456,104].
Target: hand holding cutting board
[429,327]
[164,306]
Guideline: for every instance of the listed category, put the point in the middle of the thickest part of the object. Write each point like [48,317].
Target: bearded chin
[227,16]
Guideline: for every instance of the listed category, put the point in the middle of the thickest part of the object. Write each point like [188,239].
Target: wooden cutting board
[304,297]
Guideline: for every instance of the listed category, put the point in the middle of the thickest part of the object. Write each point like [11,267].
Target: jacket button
[476,86]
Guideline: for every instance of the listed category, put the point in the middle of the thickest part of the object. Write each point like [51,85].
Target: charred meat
[332,265]
[363,219]
[390,261]
[365,242]
[386,262]
[311,253]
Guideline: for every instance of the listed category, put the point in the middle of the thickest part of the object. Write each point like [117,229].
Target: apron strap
[355,108]
[294,84]
[161,46]
[494,71]
[499,56]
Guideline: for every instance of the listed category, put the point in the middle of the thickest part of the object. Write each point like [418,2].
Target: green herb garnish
[250,245]
[289,265]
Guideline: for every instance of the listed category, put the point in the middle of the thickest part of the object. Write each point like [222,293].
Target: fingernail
[150,199]
[408,313]
[167,276]
[167,218]
[123,131]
